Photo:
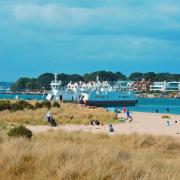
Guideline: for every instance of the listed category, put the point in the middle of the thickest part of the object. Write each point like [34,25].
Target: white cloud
[145,18]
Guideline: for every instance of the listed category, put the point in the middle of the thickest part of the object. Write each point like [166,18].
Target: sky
[79,36]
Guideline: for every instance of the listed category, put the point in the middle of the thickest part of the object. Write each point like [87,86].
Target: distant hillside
[45,79]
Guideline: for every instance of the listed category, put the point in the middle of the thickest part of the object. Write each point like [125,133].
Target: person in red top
[124,109]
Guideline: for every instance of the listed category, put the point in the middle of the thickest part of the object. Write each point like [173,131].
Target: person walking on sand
[129,116]
[176,126]
[167,110]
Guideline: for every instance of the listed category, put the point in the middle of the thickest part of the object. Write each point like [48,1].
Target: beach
[143,123]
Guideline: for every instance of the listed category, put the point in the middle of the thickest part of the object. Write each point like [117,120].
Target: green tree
[20,84]
[45,79]
[104,76]
[32,84]
[136,76]
[149,76]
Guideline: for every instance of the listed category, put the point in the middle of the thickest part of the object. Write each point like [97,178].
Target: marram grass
[78,155]
[67,114]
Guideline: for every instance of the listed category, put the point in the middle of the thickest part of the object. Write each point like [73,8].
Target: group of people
[127,112]
[95,123]
[168,123]
[167,110]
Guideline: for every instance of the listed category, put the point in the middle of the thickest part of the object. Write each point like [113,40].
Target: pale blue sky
[78,36]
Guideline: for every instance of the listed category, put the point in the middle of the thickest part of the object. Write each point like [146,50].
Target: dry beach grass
[63,115]
[78,155]
[83,155]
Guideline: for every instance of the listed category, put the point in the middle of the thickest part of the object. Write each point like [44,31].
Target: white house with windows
[165,86]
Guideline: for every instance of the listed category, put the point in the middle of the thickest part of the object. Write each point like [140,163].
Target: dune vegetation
[78,155]
[68,113]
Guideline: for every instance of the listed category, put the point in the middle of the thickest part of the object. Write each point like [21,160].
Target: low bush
[25,104]
[20,105]
[43,104]
[5,105]
[16,106]
[30,106]
[46,104]
[56,104]
[38,105]
[20,131]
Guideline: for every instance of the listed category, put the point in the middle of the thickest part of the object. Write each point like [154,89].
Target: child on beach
[111,129]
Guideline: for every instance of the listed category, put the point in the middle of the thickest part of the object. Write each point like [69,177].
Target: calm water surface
[150,105]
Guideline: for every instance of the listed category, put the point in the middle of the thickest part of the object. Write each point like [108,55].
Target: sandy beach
[143,123]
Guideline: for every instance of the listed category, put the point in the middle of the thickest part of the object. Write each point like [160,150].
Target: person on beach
[168,123]
[124,110]
[175,123]
[167,109]
[111,129]
[157,110]
[50,119]
[129,116]
[118,112]
[48,116]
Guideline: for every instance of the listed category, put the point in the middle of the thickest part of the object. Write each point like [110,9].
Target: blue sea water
[22,96]
[143,105]
[152,104]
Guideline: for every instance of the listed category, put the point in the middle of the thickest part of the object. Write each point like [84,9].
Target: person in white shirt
[49,116]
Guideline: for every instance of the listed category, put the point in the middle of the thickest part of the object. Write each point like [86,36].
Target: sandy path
[143,123]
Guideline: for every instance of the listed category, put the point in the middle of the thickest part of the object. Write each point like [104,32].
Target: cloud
[141,19]
[102,32]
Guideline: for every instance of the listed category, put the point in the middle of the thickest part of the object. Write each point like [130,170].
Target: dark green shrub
[30,106]
[56,104]
[20,131]
[38,105]
[23,103]
[46,104]
[5,105]
[16,106]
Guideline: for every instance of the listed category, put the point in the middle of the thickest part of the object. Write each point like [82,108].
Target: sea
[143,105]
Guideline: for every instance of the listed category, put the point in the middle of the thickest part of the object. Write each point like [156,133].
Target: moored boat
[109,97]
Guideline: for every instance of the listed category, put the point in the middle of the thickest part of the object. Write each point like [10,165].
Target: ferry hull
[110,103]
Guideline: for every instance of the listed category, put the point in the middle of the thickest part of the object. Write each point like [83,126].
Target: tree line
[44,80]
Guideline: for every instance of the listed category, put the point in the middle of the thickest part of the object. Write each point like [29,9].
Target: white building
[165,86]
